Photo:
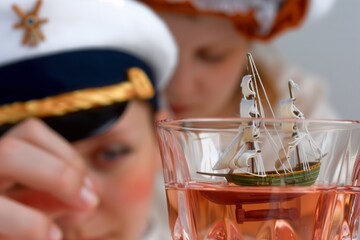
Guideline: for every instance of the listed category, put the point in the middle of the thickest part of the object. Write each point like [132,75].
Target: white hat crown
[75,24]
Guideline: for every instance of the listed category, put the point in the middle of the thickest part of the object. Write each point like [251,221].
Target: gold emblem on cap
[31,24]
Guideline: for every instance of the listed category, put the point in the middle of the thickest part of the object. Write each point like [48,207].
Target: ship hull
[298,177]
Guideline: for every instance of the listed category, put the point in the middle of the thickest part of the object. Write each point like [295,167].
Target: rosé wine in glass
[215,193]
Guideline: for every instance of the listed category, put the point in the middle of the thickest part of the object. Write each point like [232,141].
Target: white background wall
[330,47]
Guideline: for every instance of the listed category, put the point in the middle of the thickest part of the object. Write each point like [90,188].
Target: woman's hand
[39,173]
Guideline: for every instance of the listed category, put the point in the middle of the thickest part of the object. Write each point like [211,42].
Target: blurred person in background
[214,38]
[78,152]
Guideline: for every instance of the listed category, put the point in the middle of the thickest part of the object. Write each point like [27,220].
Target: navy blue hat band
[65,72]
[59,78]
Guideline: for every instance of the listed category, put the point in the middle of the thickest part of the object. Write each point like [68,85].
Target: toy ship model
[298,159]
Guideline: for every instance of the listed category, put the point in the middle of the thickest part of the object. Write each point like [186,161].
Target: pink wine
[231,212]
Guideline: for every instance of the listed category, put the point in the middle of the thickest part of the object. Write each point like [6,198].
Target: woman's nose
[183,82]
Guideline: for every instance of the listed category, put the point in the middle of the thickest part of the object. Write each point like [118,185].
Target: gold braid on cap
[137,86]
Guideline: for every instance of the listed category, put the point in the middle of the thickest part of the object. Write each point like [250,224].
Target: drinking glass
[239,178]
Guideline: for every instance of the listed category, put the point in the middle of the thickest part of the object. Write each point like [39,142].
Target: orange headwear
[256,19]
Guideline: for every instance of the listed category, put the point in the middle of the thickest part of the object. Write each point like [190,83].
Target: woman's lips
[97,238]
[107,236]
[179,109]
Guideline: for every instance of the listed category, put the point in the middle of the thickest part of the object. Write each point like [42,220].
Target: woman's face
[123,163]
[211,60]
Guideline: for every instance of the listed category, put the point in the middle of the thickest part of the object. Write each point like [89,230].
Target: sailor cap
[77,63]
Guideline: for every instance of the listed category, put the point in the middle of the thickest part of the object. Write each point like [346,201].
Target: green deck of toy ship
[298,177]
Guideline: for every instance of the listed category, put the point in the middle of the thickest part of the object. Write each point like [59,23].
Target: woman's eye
[210,56]
[111,155]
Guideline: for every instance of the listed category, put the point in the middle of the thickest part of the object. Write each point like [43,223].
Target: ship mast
[254,75]
[298,115]
[243,155]
[257,104]
[289,110]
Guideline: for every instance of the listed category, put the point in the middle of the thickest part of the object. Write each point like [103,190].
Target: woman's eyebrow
[221,42]
[189,17]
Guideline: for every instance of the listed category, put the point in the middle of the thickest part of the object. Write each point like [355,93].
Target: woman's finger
[40,135]
[5,183]
[20,222]
[41,201]
[35,168]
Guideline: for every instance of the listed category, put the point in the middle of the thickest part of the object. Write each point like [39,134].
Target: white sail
[251,135]
[235,155]
[245,145]
[287,106]
[248,108]
[230,152]
[289,144]
[296,136]
[243,160]
[247,87]
[236,158]
[289,110]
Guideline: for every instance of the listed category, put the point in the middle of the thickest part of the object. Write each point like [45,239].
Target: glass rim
[176,123]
